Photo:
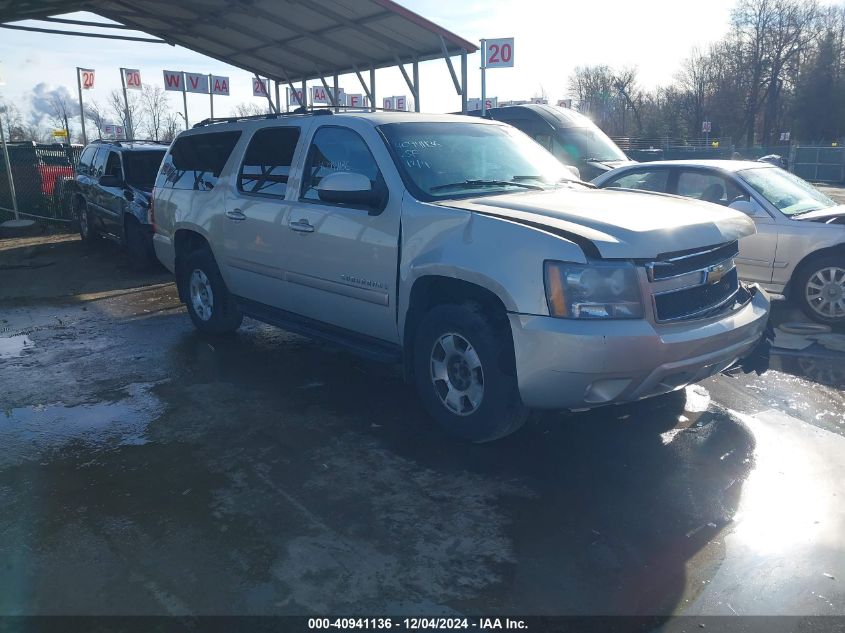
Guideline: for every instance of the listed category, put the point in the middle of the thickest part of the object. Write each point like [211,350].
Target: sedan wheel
[824,293]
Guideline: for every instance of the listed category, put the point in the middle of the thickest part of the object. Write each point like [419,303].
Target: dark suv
[110,195]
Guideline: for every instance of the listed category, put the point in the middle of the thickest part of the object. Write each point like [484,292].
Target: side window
[545,140]
[113,167]
[85,159]
[195,161]
[267,161]
[336,149]
[98,165]
[654,180]
[707,187]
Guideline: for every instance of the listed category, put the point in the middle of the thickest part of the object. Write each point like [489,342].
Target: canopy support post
[463,82]
[373,87]
[417,86]
[336,94]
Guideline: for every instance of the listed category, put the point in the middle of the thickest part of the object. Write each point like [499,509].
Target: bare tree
[136,110]
[12,120]
[97,114]
[62,109]
[156,108]
[248,109]
[171,126]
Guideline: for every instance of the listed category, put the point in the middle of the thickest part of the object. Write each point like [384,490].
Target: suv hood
[618,224]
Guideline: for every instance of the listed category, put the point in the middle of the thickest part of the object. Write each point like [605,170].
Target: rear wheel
[210,305]
[464,373]
[83,218]
[820,289]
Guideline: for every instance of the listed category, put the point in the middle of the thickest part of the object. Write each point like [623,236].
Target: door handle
[236,214]
[303,226]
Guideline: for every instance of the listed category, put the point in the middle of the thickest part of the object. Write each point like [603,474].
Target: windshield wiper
[477,184]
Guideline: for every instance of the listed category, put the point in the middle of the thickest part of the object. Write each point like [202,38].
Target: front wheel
[211,308]
[465,374]
[820,289]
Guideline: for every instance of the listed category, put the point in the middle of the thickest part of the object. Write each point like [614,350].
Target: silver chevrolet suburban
[459,247]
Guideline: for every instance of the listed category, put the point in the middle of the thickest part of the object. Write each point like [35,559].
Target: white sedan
[799,248]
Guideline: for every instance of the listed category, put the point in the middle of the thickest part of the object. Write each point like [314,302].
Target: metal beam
[448,59]
[411,84]
[86,23]
[267,94]
[34,29]
[332,97]
[364,84]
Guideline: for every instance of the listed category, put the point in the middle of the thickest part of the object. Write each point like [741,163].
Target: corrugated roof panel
[299,38]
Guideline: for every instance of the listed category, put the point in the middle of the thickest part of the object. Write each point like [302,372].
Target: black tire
[223,315]
[83,218]
[811,305]
[499,410]
[139,249]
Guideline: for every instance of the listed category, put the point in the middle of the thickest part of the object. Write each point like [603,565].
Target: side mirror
[108,180]
[748,207]
[346,187]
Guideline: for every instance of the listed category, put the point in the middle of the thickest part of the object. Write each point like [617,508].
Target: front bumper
[569,364]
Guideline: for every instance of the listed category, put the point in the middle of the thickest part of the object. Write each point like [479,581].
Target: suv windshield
[787,192]
[587,144]
[445,160]
[142,167]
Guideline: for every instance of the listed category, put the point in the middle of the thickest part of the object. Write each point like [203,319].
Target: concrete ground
[145,469]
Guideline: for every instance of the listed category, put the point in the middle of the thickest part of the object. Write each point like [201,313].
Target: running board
[358,344]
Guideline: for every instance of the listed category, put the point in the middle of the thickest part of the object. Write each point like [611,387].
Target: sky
[552,37]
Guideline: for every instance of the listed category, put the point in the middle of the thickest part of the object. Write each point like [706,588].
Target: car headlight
[593,291]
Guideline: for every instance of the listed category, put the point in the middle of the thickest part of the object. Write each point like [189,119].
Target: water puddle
[29,432]
[14,346]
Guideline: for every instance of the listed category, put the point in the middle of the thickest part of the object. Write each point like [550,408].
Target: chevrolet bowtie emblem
[715,273]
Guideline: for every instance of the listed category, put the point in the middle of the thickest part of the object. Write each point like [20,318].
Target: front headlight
[593,291]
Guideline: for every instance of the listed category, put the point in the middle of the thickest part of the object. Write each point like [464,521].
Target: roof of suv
[132,146]
[376,118]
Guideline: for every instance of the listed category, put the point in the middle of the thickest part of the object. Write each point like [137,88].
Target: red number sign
[133,79]
[87,79]
[499,53]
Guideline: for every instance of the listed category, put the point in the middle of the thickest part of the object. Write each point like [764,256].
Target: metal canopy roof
[285,40]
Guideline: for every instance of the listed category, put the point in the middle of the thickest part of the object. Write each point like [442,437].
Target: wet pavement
[145,469]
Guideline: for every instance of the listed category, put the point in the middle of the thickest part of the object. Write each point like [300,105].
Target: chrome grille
[693,284]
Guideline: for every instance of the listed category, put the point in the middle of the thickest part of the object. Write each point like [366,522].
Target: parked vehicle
[459,247]
[573,138]
[799,247]
[36,168]
[110,194]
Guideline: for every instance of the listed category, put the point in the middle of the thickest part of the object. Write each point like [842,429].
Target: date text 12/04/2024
[480,624]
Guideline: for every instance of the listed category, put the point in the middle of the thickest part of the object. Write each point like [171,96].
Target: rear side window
[654,180]
[85,159]
[266,165]
[195,161]
[98,165]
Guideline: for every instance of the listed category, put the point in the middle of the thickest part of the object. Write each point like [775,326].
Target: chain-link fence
[39,172]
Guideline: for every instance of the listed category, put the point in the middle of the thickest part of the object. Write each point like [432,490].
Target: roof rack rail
[321,110]
[129,140]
